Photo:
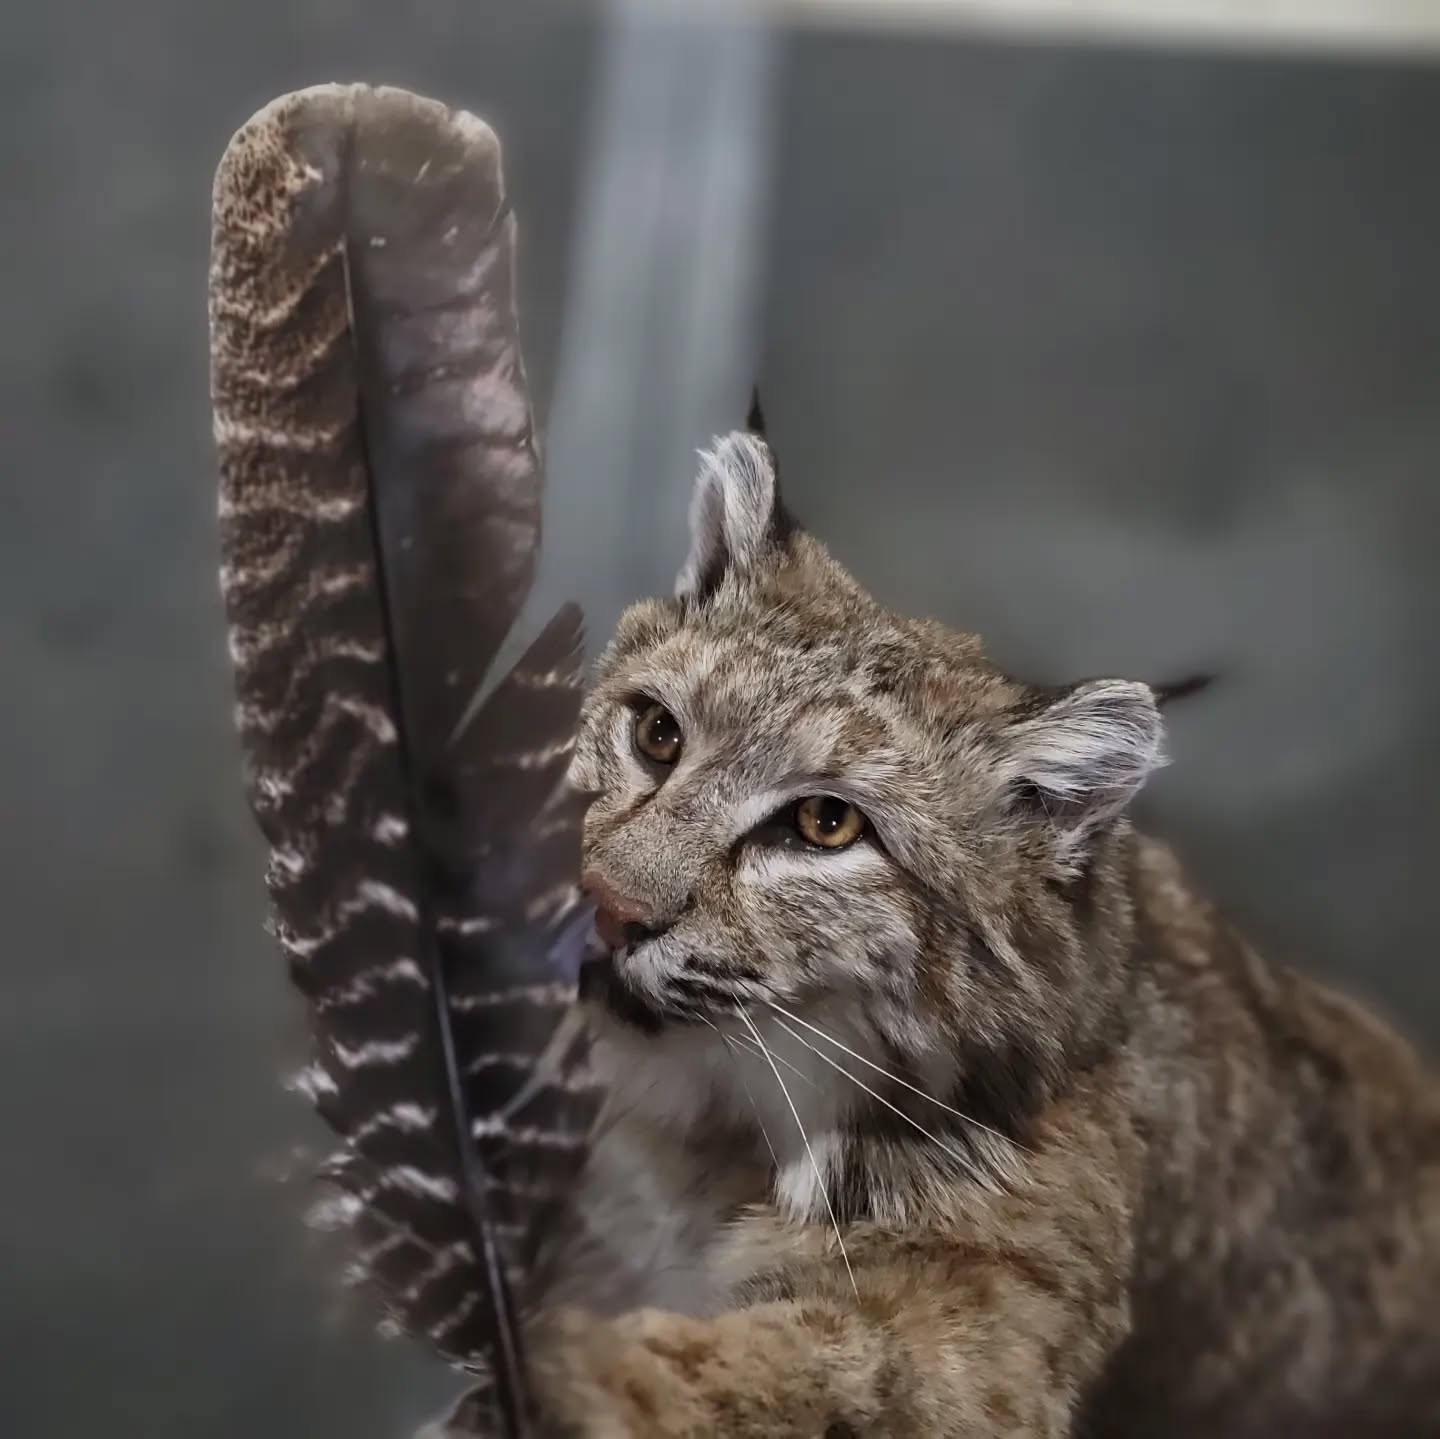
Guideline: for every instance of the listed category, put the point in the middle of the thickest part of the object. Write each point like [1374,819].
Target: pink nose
[614,913]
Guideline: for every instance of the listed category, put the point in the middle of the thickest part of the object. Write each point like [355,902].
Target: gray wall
[1128,361]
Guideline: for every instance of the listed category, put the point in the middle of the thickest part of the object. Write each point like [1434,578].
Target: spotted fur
[1060,1155]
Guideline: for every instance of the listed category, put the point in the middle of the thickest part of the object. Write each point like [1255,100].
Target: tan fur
[1192,1195]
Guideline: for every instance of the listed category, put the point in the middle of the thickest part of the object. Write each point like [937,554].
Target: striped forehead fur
[952,958]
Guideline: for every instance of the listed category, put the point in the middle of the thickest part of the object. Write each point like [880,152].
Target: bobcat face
[813,812]
[754,855]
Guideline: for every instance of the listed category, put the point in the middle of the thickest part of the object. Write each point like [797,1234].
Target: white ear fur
[1087,755]
[732,513]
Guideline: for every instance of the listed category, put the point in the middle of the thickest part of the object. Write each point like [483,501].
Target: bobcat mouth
[684,999]
[601,982]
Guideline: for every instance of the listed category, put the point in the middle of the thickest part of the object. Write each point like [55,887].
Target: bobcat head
[818,818]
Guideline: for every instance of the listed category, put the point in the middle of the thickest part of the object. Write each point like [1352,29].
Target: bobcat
[946,1107]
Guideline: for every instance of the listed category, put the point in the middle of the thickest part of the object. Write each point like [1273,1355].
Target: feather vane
[379,525]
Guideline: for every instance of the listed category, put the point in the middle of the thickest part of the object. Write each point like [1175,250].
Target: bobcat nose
[619,920]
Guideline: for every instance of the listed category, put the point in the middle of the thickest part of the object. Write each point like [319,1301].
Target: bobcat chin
[940,1105]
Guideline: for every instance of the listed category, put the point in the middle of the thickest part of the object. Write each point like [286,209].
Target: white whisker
[729,1042]
[965,1161]
[893,1078]
[805,1139]
[748,1048]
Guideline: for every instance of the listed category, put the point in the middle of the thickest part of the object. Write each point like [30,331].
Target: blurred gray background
[1126,359]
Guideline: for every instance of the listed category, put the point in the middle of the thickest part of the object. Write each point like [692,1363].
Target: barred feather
[380,513]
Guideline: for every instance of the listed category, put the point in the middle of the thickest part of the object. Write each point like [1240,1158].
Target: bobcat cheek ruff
[379,522]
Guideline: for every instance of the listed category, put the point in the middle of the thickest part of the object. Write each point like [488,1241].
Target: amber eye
[657,734]
[828,822]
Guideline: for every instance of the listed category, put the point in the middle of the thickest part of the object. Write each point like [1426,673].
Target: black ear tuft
[755,419]
[1182,689]
[783,523]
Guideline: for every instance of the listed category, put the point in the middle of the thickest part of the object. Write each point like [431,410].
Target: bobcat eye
[827,822]
[657,735]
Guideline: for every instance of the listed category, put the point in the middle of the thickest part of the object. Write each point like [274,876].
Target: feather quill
[379,524]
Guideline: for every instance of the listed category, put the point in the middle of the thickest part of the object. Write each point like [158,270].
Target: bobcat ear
[1081,759]
[737,519]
